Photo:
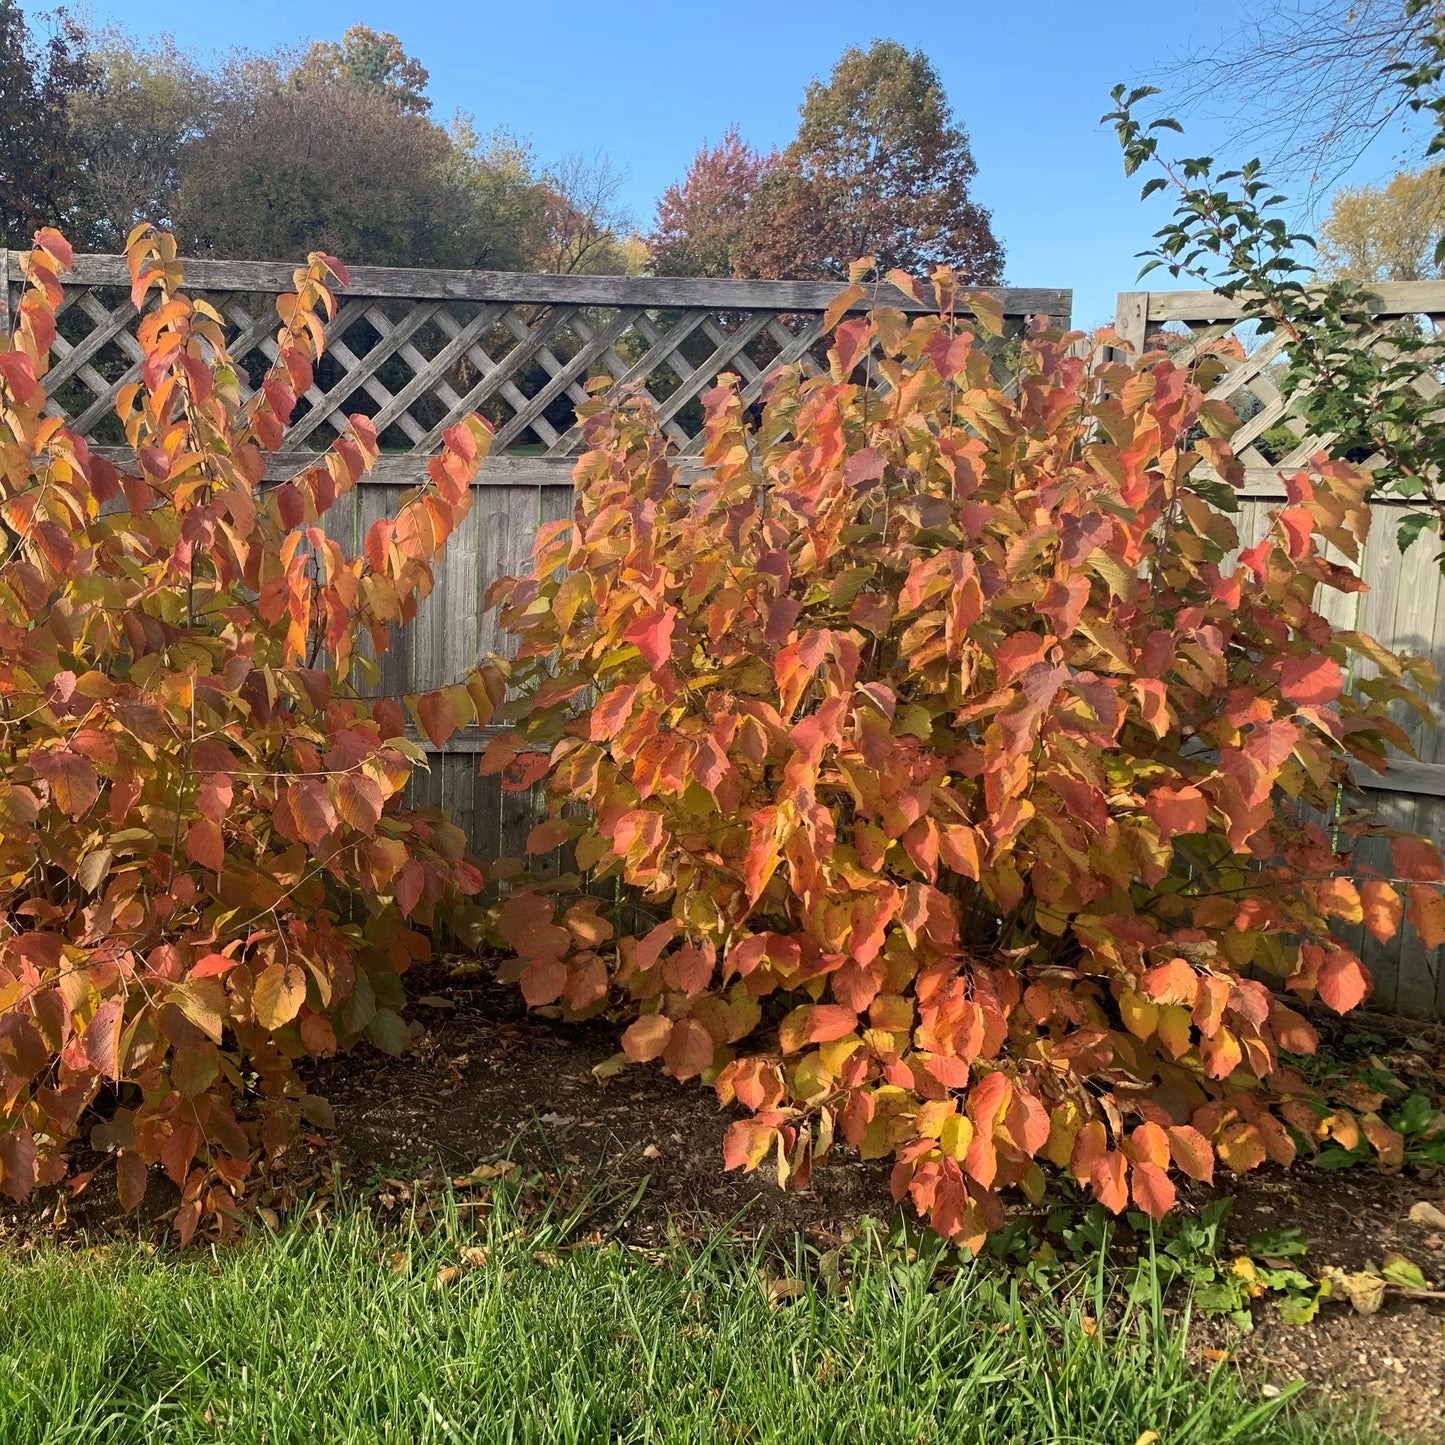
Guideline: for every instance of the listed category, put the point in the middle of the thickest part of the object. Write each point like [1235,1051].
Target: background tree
[1388,232]
[699,222]
[369,61]
[331,167]
[38,161]
[130,129]
[878,168]
[584,221]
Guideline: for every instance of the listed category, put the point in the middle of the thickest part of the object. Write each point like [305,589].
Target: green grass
[311,1335]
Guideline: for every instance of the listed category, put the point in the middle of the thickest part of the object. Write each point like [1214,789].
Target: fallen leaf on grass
[779,1290]
[475,1255]
[445,1275]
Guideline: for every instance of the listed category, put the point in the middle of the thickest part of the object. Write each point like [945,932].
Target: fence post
[4,292]
[1131,318]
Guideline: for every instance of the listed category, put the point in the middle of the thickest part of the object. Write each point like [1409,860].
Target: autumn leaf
[689,1049]
[1427,913]
[1343,981]
[278,994]
[1313,680]
[1153,1190]
[646,1037]
[1381,909]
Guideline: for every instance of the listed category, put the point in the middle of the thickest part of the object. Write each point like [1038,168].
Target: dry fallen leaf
[399,1262]
[652,1152]
[475,1255]
[445,1275]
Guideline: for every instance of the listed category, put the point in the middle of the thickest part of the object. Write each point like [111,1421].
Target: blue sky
[651,81]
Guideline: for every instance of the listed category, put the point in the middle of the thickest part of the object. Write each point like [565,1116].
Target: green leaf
[387,1030]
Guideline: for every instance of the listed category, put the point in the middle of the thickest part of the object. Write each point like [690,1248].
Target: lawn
[344,1329]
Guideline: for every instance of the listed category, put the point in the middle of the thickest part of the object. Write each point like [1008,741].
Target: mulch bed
[484,1079]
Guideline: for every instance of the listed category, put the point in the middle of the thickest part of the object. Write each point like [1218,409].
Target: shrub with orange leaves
[963,776]
[205,871]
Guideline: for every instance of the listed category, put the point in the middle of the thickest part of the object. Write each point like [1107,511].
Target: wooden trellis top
[1198,325]
[418,349]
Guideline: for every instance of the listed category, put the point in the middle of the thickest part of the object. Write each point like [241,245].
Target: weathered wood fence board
[1404,607]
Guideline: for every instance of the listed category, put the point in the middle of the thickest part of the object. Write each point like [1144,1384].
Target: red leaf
[18,1157]
[205,845]
[1416,860]
[1178,810]
[212,966]
[543,981]
[434,709]
[1311,679]
[408,887]
[652,634]
[130,1179]
[102,1038]
[526,925]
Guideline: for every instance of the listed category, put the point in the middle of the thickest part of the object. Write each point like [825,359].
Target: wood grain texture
[547,289]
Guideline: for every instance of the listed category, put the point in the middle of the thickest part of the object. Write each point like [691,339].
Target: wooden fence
[417,349]
[1405,604]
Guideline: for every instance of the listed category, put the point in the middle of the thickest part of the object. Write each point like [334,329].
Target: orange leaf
[646,1037]
[1191,1152]
[746,1144]
[1106,1179]
[689,1050]
[1427,913]
[1177,810]
[1343,980]
[1153,1190]
[829,1021]
[1381,906]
